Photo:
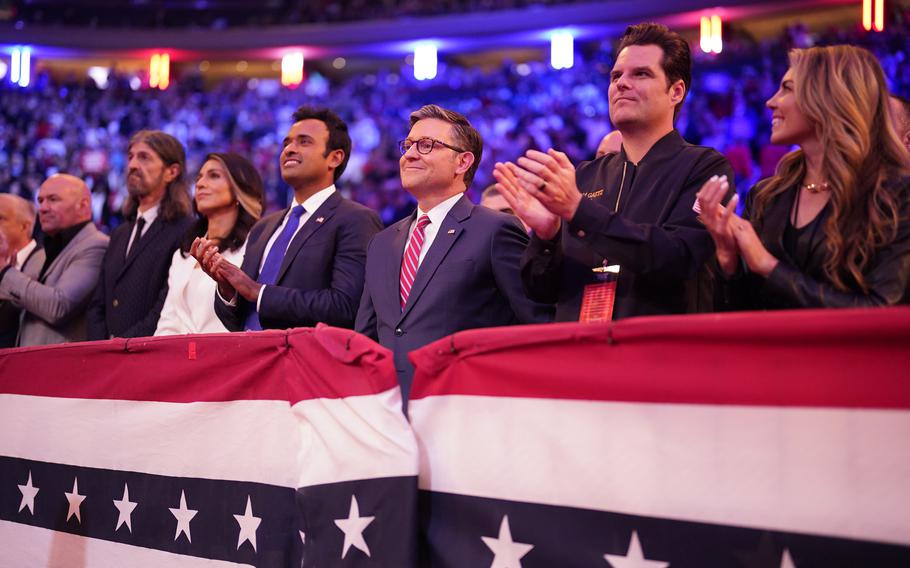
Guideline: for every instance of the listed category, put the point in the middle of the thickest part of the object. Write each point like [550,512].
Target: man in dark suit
[451,265]
[133,284]
[303,265]
[17,222]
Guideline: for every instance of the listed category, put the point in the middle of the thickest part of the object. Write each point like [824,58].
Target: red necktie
[411,256]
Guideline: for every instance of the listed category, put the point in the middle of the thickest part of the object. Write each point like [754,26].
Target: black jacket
[801,282]
[131,292]
[653,234]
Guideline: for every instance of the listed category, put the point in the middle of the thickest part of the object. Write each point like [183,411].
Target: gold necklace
[816,187]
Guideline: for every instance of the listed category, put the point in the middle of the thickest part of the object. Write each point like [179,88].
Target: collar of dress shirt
[23,253]
[150,215]
[438,213]
[315,201]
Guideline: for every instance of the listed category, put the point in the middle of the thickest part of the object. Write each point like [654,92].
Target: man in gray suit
[451,265]
[55,300]
[17,223]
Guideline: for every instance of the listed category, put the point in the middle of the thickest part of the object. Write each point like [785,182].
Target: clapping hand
[525,205]
[719,221]
[733,236]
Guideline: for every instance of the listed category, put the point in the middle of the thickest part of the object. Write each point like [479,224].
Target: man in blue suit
[451,265]
[304,264]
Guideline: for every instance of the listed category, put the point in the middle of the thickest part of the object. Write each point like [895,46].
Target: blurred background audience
[73,126]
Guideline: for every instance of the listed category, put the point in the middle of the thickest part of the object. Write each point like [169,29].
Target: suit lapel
[117,253]
[255,250]
[140,244]
[79,237]
[314,222]
[446,236]
[32,256]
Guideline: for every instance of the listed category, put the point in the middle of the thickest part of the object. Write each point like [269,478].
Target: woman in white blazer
[229,200]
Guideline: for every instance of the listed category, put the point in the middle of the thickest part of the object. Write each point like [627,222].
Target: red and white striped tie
[411,256]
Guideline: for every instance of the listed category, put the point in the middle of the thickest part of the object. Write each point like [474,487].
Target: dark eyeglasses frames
[424,145]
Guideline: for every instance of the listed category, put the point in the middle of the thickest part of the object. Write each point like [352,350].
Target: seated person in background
[229,200]
[55,300]
[494,200]
[900,118]
[832,227]
[17,222]
[610,144]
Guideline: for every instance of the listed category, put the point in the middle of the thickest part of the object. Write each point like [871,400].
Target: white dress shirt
[23,253]
[311,204]
[436,215]
[149,215]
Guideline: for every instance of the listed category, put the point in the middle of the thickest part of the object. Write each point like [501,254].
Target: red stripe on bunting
[817,358]
[294,365]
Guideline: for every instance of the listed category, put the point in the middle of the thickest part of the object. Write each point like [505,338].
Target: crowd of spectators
[220,14]
[78,128]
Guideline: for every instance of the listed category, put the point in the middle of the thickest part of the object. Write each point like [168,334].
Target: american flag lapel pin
[451,231]
[320,219]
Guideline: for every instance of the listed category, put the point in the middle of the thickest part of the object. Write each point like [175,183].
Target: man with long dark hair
[133,284]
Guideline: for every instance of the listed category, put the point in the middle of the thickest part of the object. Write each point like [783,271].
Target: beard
[136,186]
[139,186]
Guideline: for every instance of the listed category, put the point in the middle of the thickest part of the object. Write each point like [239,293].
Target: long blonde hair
[841,89]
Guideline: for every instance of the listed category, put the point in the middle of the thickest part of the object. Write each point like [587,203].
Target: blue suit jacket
[468,279]
[321,276]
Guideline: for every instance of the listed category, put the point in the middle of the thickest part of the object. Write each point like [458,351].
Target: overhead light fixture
[562,50]
[292,69]
[711,40]
[425,61]
[160,71]
[100,76]
[874,15]
[20,66]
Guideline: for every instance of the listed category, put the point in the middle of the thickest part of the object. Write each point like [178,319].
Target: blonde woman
[831,228]
[229,200]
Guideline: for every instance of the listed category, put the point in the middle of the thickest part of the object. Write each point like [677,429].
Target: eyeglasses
[424,145]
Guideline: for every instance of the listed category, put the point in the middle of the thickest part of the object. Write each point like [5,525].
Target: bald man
[610,144]
[54,301]
[17,222]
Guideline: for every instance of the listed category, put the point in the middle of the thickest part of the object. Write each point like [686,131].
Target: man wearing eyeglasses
[451,265]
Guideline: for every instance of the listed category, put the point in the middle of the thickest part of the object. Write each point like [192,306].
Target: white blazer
[190,303]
